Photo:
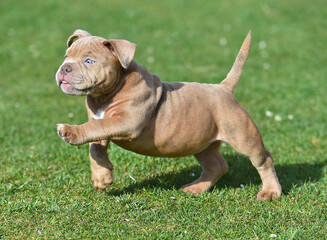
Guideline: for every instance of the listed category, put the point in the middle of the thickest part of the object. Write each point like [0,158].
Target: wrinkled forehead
[84,45]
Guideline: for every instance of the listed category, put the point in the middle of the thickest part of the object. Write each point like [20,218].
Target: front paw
[102,179]
[269,193]
[69,134]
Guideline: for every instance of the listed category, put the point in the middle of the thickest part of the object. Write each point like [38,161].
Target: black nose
[66,68]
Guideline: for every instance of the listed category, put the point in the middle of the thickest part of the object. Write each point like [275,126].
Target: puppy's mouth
[64,85]
[67,87]
[71,89]
[72,86]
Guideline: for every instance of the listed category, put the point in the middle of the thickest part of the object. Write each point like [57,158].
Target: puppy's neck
[99,101]
[124,81]
[134,82]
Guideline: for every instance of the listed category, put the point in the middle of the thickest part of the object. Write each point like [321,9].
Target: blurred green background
[45,184]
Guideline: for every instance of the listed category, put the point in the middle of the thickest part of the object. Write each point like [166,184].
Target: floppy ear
[77,34]
[121,49]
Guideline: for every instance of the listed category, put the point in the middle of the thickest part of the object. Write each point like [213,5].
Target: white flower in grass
[36,54]
[278,118]
[290,117]
[192,174]
[150,59]
[223,41]
[269,114]
[70,115]
[33,49]
[262,44]
[242,185]
[273,235]
[266,66]
[149,50]
[227,27]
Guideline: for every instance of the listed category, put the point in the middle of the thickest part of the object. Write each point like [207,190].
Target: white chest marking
[99,114]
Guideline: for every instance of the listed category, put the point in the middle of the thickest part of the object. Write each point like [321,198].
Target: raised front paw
[70,134]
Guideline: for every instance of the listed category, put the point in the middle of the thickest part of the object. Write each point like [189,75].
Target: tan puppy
[131,107]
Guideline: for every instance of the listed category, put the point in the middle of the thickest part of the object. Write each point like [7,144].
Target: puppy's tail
[235,73]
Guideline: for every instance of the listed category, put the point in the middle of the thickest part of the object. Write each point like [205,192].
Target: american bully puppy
[131,107]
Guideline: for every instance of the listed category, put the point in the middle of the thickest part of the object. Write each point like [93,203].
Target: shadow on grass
[240,172]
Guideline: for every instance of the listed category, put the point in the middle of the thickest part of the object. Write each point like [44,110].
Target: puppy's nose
[66,68]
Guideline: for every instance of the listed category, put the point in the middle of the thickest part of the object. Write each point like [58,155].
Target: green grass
[45,184]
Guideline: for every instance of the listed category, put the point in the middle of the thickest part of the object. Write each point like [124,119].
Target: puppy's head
[93,64]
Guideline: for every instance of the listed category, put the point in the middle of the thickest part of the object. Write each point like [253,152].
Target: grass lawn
[45,184]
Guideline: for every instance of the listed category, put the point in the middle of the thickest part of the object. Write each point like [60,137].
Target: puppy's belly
[175,145]
[149,149]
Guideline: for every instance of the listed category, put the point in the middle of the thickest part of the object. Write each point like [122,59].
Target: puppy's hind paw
[195,188]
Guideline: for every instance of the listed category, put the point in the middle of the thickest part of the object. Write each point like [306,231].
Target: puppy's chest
[107,111]
[99,114]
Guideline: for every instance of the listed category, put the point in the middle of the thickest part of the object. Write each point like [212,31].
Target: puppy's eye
[65,56]
[89,61]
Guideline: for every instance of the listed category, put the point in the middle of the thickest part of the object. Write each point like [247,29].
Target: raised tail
[235,73]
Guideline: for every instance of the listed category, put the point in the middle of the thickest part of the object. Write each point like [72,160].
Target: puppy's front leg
[72,134]
[102,129]
[102,168]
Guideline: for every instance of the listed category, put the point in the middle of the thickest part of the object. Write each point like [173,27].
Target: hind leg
[213,166]
[270,185]
[263,162]
[245,138]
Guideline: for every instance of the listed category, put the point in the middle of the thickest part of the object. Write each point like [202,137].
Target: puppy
[131,107]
